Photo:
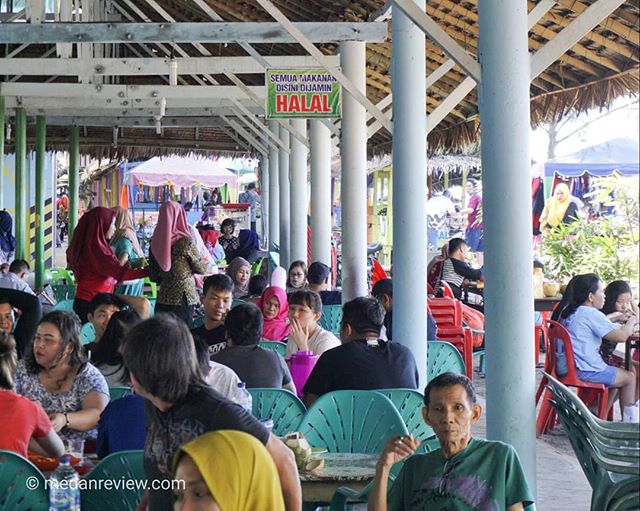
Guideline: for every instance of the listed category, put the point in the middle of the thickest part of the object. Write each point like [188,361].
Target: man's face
[470,188]
[386,302]
[6,317]
[451,413]
[217,303]
[101,316]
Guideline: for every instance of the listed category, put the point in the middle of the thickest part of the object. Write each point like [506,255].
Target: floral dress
[87,380]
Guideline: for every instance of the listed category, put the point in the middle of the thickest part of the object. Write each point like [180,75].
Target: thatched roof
[601,67]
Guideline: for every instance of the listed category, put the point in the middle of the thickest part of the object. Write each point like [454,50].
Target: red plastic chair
[447,292]
[430,290]
[587,391]
[462,338]
[446,312]
[539,330]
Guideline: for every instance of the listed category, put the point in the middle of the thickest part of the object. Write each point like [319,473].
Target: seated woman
[25,423]
[239,270]
[297,276]
[275,309]
[579,312]
[226,470]
[105,353]
[56,374]
[227,240]
[305,334]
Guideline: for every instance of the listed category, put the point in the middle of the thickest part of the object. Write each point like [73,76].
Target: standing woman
[90,257]
[7,241]
[125,245]
[173,261]
[239,270]
[559,209]
[297,276]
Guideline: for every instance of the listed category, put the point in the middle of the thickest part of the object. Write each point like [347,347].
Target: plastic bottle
[64,491]
[243,398]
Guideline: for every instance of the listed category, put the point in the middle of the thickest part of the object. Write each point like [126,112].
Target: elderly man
[465,473]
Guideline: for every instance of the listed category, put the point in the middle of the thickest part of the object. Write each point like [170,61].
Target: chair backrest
[331,318]
[236,302]
[447,292]
[279,347]
[60,276]
[443,357]
[119,466]
[118,392]
[150,288]
[64,291]
[446,312]
[281,406]
[198,322]
[87,333]
[17,478]
[558,336]
[63,305]
[358,421]
[409,403]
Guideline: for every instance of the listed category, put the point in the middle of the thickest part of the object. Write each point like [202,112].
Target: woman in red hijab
[94,265]
[173,260]
[275,309]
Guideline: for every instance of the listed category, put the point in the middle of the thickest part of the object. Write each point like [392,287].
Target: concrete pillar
[504,113]
[41,133]
[409,188]
[264,198]
[285,207]
[299,199]
[22,187]
[274,192]
[353,152]
[320,192]
[74,179]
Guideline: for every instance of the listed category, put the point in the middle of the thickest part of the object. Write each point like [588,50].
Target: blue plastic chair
[409,404]
[119,466]
[118,392]
[63,305]
[281,406]
[87,333]
[22,485]
[64,291]
[359,421]
[279,347]
[443,357]
[331,318]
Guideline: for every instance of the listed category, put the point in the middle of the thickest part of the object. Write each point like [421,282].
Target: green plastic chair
[256,267]
[119,466]
[118,392]
[331,318]
[64,291]
[198,322]
[359,421]
[237,302]
[60,276]
[87,333]
[150,289]
[281,406]
[63,305]
[443,357]
[409,403]
[15,495]
[279,347]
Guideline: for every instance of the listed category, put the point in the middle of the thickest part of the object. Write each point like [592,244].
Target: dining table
[546,304]
[354,470]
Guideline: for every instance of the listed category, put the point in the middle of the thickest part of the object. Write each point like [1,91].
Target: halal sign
[303,93]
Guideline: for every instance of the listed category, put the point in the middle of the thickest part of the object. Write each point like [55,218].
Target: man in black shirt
[455,270]
[363,361]
[216,298]
[318,277]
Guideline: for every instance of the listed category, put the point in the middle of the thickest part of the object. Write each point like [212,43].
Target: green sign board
[302,93]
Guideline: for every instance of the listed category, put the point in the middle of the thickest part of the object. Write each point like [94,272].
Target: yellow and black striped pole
[41,131]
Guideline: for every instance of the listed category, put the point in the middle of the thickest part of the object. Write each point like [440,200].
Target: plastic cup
[75,447]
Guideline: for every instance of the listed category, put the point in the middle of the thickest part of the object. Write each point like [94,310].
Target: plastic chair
[150,289]
[256,267]
[60,276]
[119,466]
[446,312]
[63,305]
[16,494]
[64,291]
[281,406]
[462,339]
[447,292]
[87,333]
[409,403]
[587,391]
[237,302]
[443,357]
[359,421]
[197,322]
[118,392]
[279,347]
[152,307]
[331,318]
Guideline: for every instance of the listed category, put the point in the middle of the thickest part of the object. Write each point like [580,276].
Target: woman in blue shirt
[579,312]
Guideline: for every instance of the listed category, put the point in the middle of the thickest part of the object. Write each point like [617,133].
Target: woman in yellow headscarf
[558,209]
[226,471]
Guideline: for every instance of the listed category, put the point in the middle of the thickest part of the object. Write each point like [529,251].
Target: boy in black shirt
[217,297]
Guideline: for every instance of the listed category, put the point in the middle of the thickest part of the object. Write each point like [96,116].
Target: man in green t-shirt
[464,474]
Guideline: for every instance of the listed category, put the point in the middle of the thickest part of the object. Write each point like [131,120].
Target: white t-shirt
[319,342]
[223,380]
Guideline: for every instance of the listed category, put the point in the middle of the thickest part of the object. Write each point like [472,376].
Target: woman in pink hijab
[173,260]
[275,309]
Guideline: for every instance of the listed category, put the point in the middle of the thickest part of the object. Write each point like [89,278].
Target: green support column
[41,130]
[74,179]
[1,152]
[22,178]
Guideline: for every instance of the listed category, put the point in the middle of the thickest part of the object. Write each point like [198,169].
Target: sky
[621,123]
